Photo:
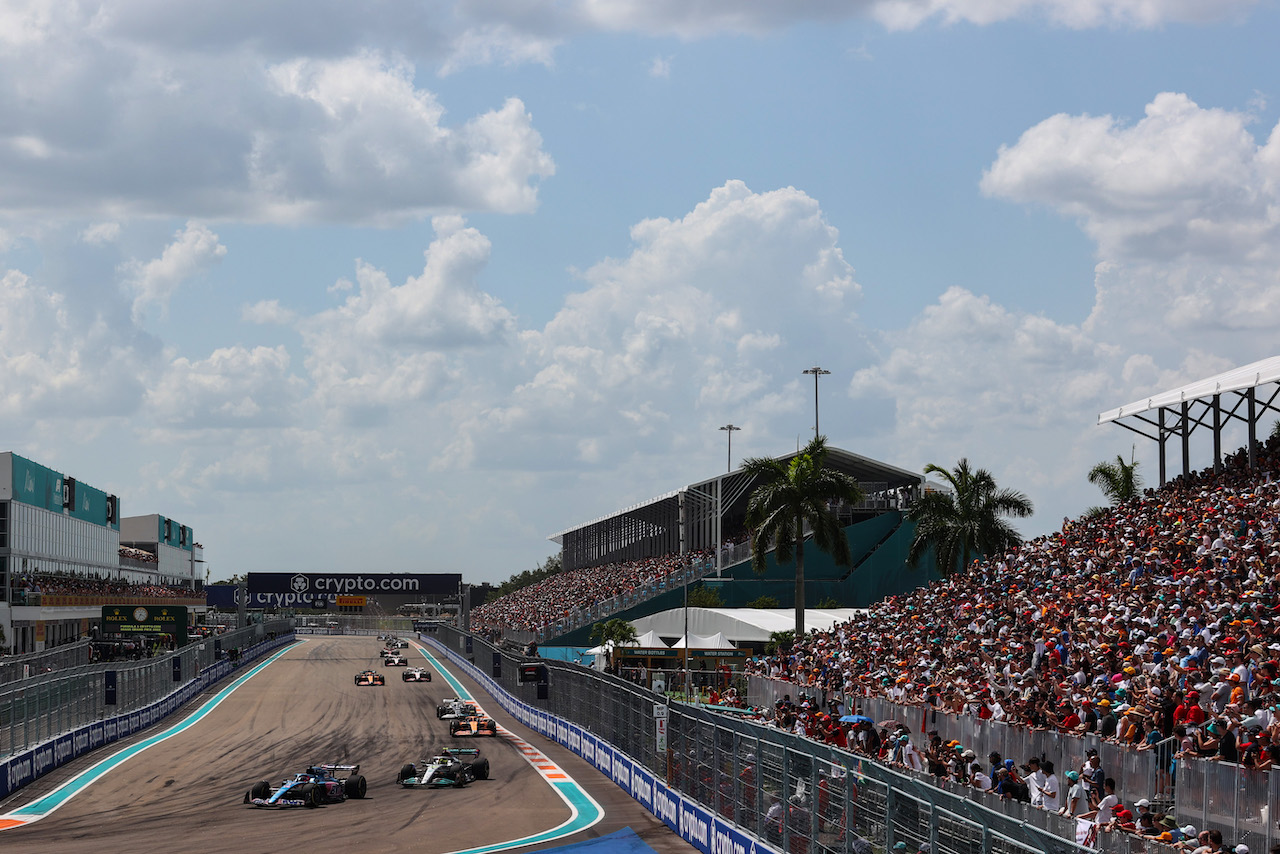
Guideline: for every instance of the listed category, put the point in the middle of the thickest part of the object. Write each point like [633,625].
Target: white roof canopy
[741,625]
[1237,379]
[716,641]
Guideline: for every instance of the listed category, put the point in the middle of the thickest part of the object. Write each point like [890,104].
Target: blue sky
[392,288]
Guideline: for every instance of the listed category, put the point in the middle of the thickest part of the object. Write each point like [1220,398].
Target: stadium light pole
[729,428]
[817,372]
[728,467]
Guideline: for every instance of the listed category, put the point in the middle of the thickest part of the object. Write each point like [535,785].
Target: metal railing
[35,710]
[352,624]
[14,668]
[800,795]
[577,617]
[1138,773]
[1240,802]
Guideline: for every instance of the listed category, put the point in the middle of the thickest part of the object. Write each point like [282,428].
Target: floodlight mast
[817,372]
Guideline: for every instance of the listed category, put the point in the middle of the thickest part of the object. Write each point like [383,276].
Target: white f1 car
[416,674]
[456,707]
[451,767]
[396,660]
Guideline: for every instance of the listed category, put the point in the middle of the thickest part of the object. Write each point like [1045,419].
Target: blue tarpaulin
[623,841]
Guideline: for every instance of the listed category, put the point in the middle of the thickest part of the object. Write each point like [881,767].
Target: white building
[61,557]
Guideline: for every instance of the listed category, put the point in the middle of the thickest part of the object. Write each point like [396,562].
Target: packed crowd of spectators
[555,599]
[1155,624]
[1159,614]
[141,555]
[68,584]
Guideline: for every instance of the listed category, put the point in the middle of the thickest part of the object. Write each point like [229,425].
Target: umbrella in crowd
[856,719]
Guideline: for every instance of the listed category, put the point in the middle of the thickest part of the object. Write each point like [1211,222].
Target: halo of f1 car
[456,707]
[370,677]
[416,674]
[319,784]
[393,647]
[451,767]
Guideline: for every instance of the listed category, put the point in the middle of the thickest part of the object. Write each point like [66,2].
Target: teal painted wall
[879,549]
[41,486]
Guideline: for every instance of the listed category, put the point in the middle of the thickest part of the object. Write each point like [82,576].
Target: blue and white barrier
[697,825]
[22,768]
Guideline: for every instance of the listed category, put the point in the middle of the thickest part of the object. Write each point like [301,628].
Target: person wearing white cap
[1242,849]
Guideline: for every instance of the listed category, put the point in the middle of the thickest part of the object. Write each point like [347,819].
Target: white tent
[741,625]
[716,641]
[649,640]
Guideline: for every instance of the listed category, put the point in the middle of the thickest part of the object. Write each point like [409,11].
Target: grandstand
[1150,630]
[635,562]
[65,551]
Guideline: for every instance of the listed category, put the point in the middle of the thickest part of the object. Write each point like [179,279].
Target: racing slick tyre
[480,769]
[439,711]
[356,786]
[309,794]
[261,789]
[407,773]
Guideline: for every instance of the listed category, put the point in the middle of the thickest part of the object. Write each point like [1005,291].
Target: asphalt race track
[186,793]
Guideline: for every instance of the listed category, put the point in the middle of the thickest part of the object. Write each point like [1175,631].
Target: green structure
[694,519]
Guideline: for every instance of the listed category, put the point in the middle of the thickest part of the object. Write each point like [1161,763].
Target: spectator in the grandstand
[74,584]
[1141,623]
[1077,802]
[557,599]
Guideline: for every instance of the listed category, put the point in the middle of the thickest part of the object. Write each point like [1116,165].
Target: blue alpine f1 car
[319,784]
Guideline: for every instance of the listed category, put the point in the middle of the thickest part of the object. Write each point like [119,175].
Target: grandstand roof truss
[1180,411]
[692,518]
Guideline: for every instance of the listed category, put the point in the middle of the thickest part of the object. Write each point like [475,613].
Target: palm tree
[791,493]
[612,634]
[966,522]
[1119,481]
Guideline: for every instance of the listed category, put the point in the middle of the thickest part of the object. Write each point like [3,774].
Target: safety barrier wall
[725,781]
[89,724]
[694,823]
[48,704]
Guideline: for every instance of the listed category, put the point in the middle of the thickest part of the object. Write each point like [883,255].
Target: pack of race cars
[447,767]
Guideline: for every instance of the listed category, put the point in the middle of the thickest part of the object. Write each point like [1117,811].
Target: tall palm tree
[966,522]
[790,494]
[1119,481]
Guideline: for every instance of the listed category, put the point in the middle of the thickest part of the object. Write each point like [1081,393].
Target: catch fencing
[14,668]
[797,795]
[35,710]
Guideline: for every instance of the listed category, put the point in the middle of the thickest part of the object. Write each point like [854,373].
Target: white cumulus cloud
[233,387]
[194,250]
[1183,204]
